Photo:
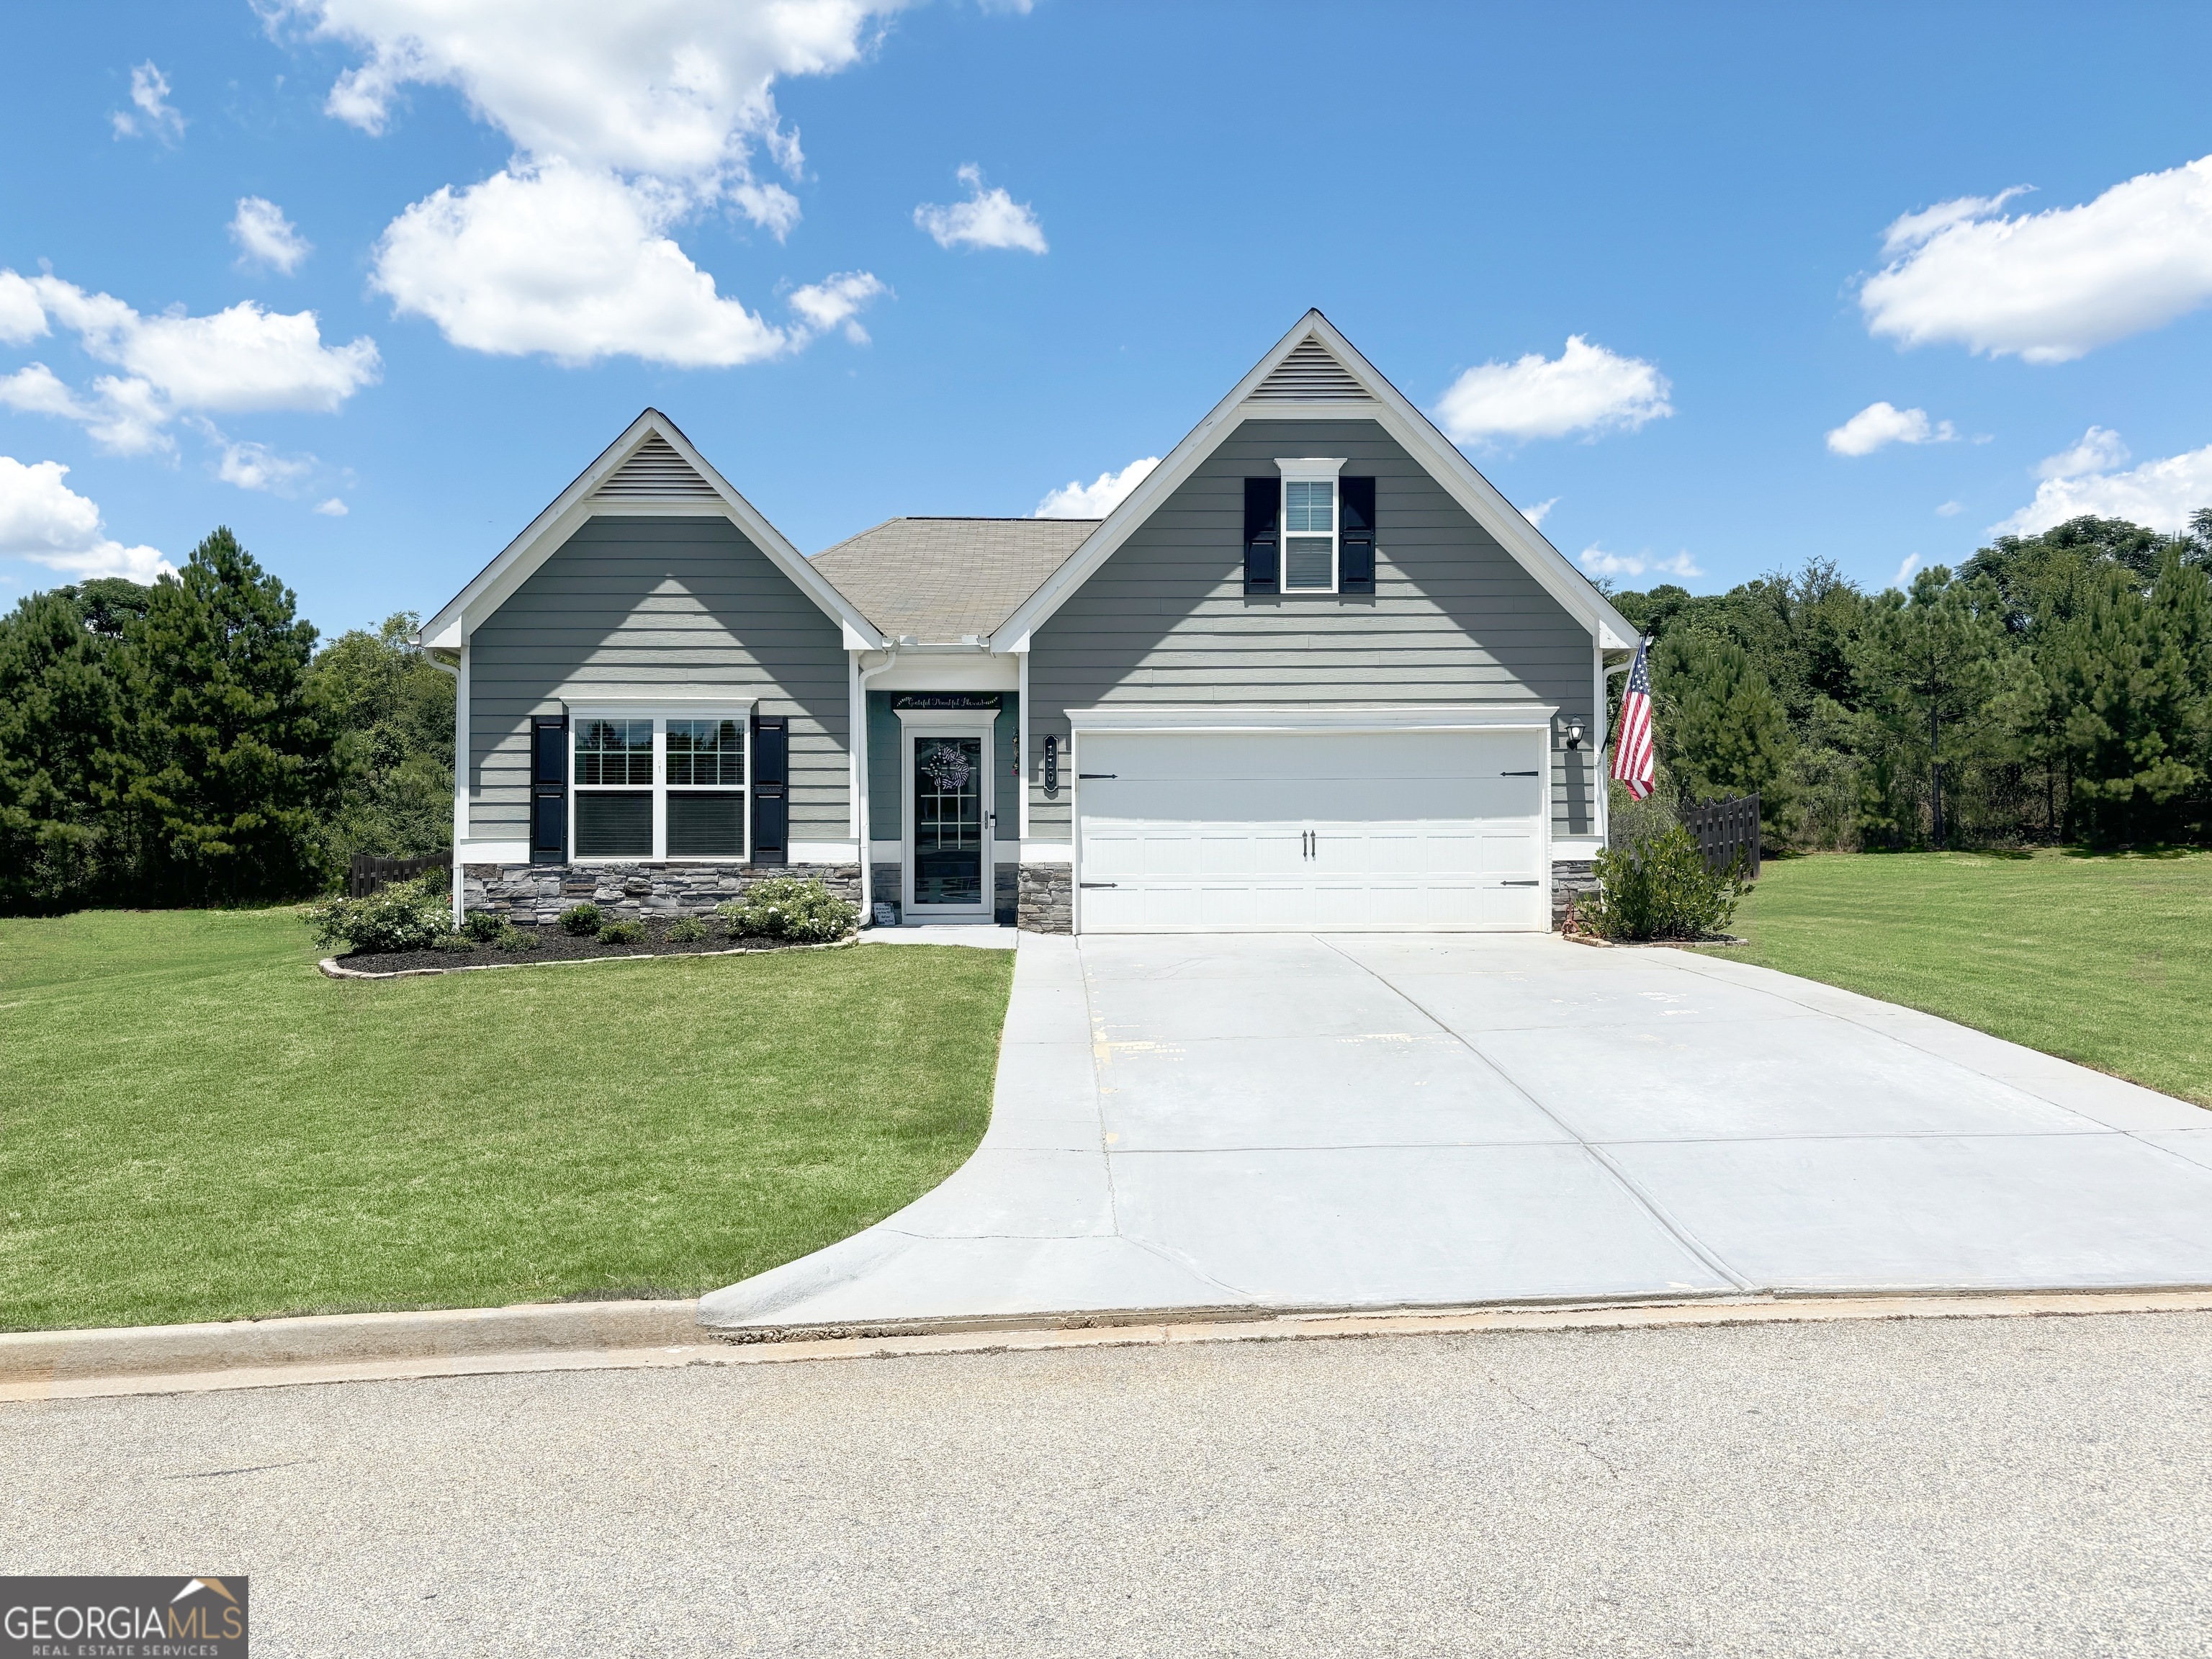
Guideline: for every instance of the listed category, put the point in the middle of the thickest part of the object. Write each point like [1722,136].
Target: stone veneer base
[1045,901]
[535,895]
[1571,880]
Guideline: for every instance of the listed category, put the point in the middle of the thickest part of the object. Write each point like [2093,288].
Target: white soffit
[652,469]
[1298,380]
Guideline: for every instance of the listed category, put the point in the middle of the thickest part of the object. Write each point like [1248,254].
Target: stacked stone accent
[1045,902]
[1571,880]
[536,894]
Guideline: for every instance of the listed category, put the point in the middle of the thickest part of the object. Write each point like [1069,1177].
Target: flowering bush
[409,915]
[784,907]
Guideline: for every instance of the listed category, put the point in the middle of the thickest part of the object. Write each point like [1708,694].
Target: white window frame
[918,725]
[660,711]
[1310,469]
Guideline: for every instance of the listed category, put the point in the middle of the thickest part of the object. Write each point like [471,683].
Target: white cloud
[256,466]
[1950,509]
[988,218]
[1599,563]
[156,118]
[1882,423]
[44,520]
[1905,571]
[21,317]
[1586,388]
[577,264]
[332,508]
[2050,286]
[627,120]
[1538,514]
[266,237]
[2161,494]
[125,416]
[2098,451]
[1078,500]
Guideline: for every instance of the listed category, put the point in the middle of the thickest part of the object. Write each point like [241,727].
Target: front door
[950,871]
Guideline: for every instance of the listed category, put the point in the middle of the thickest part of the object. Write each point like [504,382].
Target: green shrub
[686,930]
[581,919]
[622,933]
[784,907]
[512,938]
[483,926]
[1660,888]
[453,942]
[407,915]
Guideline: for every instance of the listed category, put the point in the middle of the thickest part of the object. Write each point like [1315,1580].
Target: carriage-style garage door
[1203,831]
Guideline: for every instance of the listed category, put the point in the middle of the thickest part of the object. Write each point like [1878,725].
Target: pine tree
[1724,731]
[61,759]
[1927,671]
[235,763]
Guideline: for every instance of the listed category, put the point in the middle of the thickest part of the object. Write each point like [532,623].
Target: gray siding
[1453,618]
[630,603]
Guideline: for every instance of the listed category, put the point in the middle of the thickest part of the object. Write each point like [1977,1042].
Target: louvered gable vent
[655,472]
[1309,375]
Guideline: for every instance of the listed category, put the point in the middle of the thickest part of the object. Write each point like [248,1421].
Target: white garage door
[1213,831]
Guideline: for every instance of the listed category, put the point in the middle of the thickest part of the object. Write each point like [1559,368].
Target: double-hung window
[1310,524]
[659,787]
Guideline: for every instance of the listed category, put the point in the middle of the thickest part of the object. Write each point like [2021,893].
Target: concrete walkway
[1307,1121]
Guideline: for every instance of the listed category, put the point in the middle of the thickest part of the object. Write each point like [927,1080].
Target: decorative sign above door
[946,700]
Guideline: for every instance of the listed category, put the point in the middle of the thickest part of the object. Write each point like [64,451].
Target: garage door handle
[1098,884]
[1520,775]
[1098,775]
[1518,883]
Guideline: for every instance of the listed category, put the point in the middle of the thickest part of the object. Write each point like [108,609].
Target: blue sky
[1635,258]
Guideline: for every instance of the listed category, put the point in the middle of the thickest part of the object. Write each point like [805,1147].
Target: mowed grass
[2104,960]
[195,1124]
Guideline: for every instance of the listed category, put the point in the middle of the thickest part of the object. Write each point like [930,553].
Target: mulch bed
[554,946]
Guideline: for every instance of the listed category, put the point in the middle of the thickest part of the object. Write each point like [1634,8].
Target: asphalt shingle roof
[934,580]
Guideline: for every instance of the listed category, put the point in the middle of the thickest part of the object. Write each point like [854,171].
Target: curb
[577,1336]
[53,1359]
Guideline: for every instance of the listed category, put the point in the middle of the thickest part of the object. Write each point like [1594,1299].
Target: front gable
[1314,374]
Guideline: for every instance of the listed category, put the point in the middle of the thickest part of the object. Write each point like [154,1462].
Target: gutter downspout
[865,839]
[460,759]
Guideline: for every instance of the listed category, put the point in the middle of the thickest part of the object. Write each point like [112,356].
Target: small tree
[1724,731]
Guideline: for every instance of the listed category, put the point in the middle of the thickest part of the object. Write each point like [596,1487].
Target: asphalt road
[1999,1486]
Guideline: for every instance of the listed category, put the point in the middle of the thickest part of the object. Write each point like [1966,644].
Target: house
[1313,672]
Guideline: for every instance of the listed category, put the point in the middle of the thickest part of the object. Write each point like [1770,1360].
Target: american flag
[1632,743]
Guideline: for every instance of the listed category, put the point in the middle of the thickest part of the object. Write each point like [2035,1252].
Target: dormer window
[1311,523]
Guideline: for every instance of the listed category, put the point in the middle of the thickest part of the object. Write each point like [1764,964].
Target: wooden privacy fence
[1725,831]
[368,873]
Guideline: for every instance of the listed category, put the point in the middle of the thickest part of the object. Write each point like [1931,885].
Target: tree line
[187,743]
[2053,688]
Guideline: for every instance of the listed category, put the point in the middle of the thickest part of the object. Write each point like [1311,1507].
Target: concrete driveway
[1302,1121]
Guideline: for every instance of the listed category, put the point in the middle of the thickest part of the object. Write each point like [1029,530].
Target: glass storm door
[948,824]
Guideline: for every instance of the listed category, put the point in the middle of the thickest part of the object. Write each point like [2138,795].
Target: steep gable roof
[1315,372]
[940,581]
[651,471]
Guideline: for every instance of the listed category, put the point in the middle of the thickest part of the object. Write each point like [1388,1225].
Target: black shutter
[1355,565]
[549,787]
[771,779]
[1263,500]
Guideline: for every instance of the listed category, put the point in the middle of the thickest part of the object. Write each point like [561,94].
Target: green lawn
[2103,960]
[195,1124]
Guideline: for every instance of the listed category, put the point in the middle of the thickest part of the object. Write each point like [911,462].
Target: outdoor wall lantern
[1574,732]
[1052,769]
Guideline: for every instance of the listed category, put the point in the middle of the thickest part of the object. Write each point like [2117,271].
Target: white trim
[1048,852]
[1308,468]
[544,535]
[856,720]
[1480,716]
[1022,741]
[915,725]
[970,671]
[684,704]
[886,851]
[821,852]
[1312,469]
[492,851]
[1565,848]
[1398,417]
